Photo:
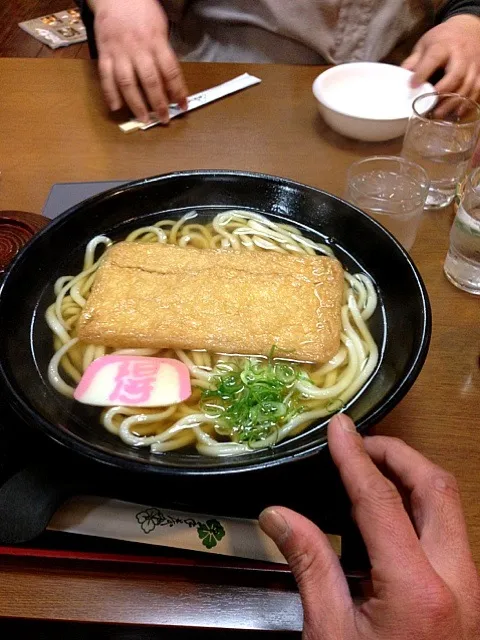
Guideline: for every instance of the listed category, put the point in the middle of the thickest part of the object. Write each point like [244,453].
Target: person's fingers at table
[466,88]
[152,85]
[455,73]
[475,95]
[413,59]
[389,535]
[126,81]
[107,82]
[450,107]
[172,75]
[435,502]
[326,600]
[433,58]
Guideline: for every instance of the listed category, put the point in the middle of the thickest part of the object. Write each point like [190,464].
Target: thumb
[327,604]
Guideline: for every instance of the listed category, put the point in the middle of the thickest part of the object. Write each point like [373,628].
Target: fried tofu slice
[164,296]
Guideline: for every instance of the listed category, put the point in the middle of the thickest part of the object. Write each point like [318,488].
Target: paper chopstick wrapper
[195,101]
[105,518]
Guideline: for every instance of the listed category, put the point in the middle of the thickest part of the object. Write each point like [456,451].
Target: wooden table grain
[54,128]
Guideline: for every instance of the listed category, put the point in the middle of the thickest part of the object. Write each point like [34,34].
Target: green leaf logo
[210,533]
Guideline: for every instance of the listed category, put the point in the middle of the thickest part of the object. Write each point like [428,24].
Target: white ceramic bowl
[367,100]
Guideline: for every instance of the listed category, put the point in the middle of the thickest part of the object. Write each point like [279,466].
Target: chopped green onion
[251,400]
[285,373]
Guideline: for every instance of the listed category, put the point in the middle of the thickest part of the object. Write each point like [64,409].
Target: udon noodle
[324,389]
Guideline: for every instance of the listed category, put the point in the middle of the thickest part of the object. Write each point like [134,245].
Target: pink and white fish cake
[134,381]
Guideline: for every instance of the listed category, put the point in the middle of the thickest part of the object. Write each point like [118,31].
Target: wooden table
[54,128]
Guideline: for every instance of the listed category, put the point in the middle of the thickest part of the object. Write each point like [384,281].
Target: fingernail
[273,524]
[345,423]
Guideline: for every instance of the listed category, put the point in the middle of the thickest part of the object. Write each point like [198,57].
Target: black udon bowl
[401,324]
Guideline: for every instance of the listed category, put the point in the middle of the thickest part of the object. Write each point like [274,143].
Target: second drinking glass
[393,191]
[441,136]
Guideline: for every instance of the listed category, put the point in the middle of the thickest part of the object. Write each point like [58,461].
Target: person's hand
[453,46]
[424,580]
[136,63]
